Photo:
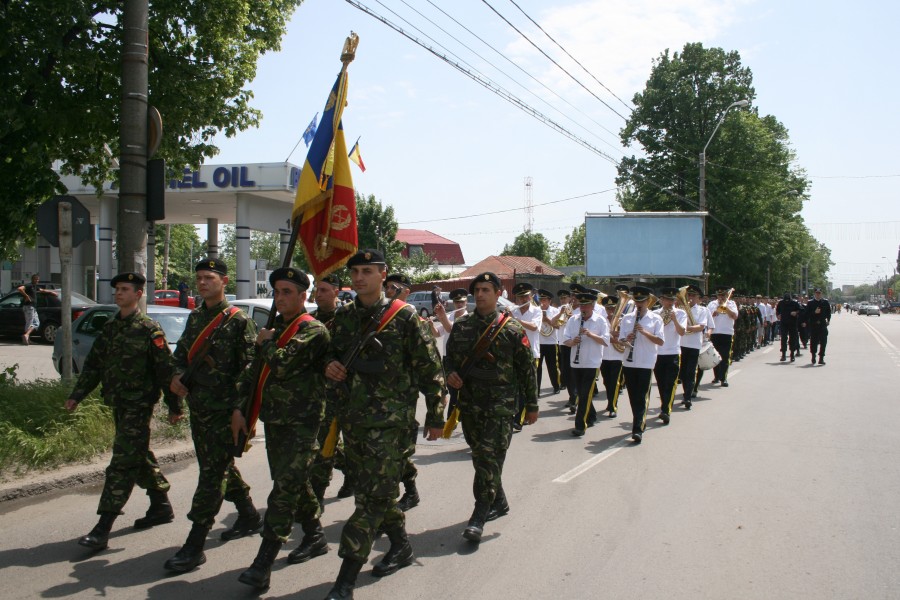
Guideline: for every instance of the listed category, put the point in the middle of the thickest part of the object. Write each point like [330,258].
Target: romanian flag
[325,202]
[356,157]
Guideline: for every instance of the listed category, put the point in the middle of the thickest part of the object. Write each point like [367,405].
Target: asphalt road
[784,485]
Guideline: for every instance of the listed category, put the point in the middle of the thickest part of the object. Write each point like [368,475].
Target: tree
[61,91]
[377,228]
[184,250]
[572,252]
[754,194]
[263,246]
[530,244]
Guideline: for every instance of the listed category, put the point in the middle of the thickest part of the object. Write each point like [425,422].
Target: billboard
[662,244]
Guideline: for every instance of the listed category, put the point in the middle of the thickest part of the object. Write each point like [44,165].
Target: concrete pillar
[150,286]
[212,238]
[242,249]
[105,235]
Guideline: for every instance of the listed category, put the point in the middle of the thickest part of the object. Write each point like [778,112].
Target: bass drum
[709,357]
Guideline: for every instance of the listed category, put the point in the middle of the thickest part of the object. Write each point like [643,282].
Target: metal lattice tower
[529,206]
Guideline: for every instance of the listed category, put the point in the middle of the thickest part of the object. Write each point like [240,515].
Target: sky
[443,150]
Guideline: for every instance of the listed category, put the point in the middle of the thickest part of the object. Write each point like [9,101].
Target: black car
[49,310]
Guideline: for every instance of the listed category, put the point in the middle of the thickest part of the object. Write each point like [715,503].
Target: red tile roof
[505,266]
[445,252]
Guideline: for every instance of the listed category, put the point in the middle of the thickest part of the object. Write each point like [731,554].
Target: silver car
[869,309]
[86,328]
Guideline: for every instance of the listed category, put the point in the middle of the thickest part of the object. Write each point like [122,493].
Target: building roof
[506,266]
[444,251]
[420,237]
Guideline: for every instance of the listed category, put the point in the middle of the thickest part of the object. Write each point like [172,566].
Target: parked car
[86,328]
[258,309]
[869,309]
[49,310]
[422,301]
[170,298]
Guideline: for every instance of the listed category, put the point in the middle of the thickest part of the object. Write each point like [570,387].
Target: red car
[170,298]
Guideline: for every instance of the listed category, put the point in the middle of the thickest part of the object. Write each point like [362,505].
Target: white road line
[592,462]
[879,337]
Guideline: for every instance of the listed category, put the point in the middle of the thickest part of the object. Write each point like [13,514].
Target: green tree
[60,88]
[377,228]
[572,252]
[184,250]
[754,194]
[530,244]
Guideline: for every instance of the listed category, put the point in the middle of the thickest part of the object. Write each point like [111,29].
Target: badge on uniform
[159,342]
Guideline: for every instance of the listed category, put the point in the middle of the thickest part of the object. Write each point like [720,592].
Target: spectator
[183,294]
[29,305]
[435,297]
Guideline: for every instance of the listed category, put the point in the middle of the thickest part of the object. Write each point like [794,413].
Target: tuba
[617,318]
[682,300]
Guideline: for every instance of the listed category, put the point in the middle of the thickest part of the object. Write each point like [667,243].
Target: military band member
[383,385]
[707,335]
[444,320]
[549,341]
[487,393]
[643,330]
[724,313]
[818,316]
[292,385]
[691,344]
[565,312]
[529,316]
[230,335]
[132,361]
[629,305]
[587,335]
[668,357]
[611,367]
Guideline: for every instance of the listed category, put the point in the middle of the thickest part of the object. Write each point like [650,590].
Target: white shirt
[531,315]
[444,334]
[644,355]
[672,343]
[701,317]
[590,354]
[724,323]
[553,338]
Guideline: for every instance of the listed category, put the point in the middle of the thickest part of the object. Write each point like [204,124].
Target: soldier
[818,315]
[611,367]
[643,330]
[788,311]
[691,343]
[488,391]
[529,316]
[587,334]
[132,361]
[383,384]
[724,313]
[217,345]
[668,357]
[291,384]
[549,341]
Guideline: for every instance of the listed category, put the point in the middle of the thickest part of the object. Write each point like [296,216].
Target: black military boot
[312,545]
[346,580]
[260,571]
[476,523]
[783,357]
[410,498]
[398,556]
[346,489]
[248,521]
[499,508]
[160,511]
[191,554]
[98,538]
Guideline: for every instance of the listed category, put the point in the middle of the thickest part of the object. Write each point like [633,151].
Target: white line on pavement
[592,462]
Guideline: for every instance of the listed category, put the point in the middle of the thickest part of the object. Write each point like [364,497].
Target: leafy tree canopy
[530,244]
[572,252]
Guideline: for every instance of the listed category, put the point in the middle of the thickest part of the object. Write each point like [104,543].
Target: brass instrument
[681,298]
[617,318]
[723,308]
[667,314]
[546,327]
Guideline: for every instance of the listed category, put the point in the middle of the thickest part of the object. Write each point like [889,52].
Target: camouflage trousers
[219,478]
[410,472]
[375,458]
[322,467]
[132,461]
[488,435]
[290,450]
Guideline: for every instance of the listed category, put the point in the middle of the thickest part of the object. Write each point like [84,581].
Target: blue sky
[439,146]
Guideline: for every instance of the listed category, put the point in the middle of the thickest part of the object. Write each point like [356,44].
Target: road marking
[885,343]
[592,462]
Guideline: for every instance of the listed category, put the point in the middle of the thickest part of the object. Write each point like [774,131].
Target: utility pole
[132,212]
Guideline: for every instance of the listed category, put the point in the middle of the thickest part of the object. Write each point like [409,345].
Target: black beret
[133,278]
[609,301]
[485,277]
[212,264]
[291,274]
[331,279]
[544,294]
[668,292]
[398,278]
[459,294]
[640,292]
[522,289]
[366,257]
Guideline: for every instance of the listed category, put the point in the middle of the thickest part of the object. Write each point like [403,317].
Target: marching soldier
[788,311]
[668,358]
[549,342]
[691,343]
[818,315]
[215,348]
[487,393]
[132,361]
[587,334]
[611,367]
[725,313]
[643,330]
[377,412]
[292,386]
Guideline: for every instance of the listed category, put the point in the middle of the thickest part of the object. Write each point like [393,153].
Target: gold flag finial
[349,52]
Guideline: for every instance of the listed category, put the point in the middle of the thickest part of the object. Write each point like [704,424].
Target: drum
[709,357]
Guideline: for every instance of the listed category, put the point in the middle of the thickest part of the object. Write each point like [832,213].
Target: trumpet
[723,308]
[681,299]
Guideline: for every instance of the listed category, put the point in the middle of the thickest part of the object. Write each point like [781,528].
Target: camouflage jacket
[131,358]
[493,385]
[384,383]
[293,391]
[232,350]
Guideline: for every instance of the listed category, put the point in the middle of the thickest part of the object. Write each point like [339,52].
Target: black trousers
[688,371]
[818,339]
[565,372]
[637,382]
[585,415]
[611,372]
[550,357]
[789,337]
[666,372]
[722,343]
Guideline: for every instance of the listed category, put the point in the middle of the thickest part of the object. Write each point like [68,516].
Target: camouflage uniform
[132,360]
[379,411]
[212,399]
[292,408]
[487,399]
